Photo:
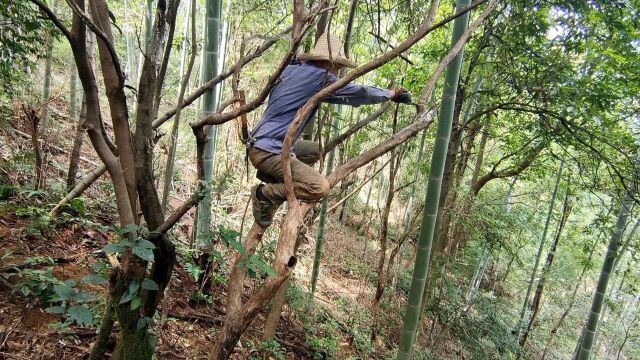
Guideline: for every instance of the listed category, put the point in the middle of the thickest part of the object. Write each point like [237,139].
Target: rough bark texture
[74,159]
[442,225]
[114,86]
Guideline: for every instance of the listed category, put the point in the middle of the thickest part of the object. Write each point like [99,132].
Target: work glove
[401,96]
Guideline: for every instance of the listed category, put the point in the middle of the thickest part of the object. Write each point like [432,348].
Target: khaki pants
[308,184]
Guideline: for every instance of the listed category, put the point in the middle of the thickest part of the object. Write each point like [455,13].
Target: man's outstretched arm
[356,95]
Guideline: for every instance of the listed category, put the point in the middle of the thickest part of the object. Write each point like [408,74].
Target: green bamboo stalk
[210,104]
[323,211]
[432,196]
[525,304]
[148,24]
[616,280]
[587,341]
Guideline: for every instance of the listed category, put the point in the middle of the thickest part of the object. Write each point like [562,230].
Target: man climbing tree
[298,83]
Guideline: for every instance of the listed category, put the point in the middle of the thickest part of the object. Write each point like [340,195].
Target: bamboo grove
[492,217]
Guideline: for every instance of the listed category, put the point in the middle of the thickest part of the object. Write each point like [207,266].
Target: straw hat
[323,51]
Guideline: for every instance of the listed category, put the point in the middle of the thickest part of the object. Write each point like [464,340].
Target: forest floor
[37,253]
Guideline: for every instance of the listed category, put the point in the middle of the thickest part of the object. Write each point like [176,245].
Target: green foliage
[35,282]
[60,297]
[140,247]
[485,332]
[270,348]
[257,264]
[194,270]
[133,293]
[22,29]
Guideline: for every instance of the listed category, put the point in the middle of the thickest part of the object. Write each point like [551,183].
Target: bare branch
[268,43]
[99,33]
[384,41]
[177,215]
[54,19]
[352,130]
[510,171]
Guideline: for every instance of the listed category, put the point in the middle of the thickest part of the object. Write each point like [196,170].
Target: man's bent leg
[307,151]
[309,185]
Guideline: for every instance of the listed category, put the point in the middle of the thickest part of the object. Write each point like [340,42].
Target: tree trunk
[591,326]
[78,140]
[412,193]
[458,230]
[323,213]
[412,314]
[442,227]
[451,175]
[534,271]
[537,298]
[271,324]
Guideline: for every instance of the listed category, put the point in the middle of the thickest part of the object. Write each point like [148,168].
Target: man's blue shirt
[296,86]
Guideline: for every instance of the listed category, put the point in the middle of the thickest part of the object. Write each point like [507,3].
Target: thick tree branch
[510,171]
[99,33]
[177,215]
[54,19]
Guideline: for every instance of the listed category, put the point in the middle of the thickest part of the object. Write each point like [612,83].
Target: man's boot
[263,210]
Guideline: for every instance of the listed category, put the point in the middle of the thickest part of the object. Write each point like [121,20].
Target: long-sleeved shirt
[296,86]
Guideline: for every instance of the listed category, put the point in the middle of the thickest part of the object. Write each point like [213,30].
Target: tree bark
[79,138]
[114,86]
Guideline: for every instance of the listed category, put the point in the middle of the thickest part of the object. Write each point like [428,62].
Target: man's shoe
[263,210]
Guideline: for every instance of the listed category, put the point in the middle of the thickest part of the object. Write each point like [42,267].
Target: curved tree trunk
[79,138]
